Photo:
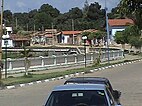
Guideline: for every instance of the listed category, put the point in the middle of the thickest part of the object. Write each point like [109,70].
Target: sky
[62,5]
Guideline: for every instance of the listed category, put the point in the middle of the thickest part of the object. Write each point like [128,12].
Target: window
[111,100]
[78,98]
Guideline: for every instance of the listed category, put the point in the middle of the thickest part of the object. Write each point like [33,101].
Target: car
[96,80]
[81,95]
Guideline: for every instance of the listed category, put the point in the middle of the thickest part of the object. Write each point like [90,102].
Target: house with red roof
[71,37]
[118,25]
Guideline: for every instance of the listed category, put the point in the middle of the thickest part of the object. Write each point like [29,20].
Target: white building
[117,25]
[6,41]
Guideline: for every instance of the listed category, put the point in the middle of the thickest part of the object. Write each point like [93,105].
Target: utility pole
[73,30]
[107,31]
[1,30]
[53,38]
[34,28]
[16,22]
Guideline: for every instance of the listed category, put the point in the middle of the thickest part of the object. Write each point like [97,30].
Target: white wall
[114,31]
[6,38]
[65,39]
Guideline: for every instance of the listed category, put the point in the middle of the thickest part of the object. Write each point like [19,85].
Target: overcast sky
[62,5]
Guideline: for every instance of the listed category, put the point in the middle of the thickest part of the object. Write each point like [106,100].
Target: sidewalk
[127,57]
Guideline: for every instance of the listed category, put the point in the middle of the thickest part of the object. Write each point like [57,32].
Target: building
[47,37]
[71,37]
[117,25]
[20,41]
[6,40]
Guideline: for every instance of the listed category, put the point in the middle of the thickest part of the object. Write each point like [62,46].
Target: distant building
[117,25]
[71,37]
[6,41]
[47,37]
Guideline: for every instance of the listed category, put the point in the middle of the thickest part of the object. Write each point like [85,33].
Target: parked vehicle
[96,80]
[81,95]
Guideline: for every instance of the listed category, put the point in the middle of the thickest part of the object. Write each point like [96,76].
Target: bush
[97,62]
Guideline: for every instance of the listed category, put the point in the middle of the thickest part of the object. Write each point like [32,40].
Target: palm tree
[26,55]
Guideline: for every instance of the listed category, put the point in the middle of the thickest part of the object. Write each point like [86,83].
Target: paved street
[126,78]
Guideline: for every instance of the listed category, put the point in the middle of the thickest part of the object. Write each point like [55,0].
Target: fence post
[118,53]
[65,57]
[113,55]
[75,58]
[92,57]
[42,61]
[10,63]
[122,54]
[55,60]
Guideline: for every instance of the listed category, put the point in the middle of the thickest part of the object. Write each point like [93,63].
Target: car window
[77,98]
[111,100]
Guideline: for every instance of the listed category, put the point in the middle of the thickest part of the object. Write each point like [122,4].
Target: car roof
[80,87]
[87,80]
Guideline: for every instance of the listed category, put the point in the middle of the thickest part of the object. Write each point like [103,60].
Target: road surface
[126,78]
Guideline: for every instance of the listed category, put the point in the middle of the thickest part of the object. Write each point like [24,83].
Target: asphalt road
[126,78]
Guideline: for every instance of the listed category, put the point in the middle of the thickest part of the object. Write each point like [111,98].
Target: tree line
[91,16]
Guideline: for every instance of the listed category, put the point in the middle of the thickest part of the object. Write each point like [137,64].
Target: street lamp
[84,38]
[1,33]
[5,39]
[107,30]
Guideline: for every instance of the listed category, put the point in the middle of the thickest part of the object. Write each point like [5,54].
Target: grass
[36,77]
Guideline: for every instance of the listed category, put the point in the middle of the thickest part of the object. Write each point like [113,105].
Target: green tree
[95,12]
[22,20]
[85,9]
[132,8]
[48,9]
[121,38]
[43,20]
[136,42]
[26,54]
[75,13]
[114,14]
[7,15]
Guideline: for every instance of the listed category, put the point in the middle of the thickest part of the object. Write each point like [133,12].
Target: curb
[70,75]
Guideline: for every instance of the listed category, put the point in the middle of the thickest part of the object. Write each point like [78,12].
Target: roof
[87,80]
[120,22]
[91,80]
[71,32]
[80,87]
[19,38]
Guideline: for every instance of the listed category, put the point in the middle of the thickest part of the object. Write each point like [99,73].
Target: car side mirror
[116,94]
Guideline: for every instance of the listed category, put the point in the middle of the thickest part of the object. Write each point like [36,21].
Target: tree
[114,14]
[132,8]
[136,42]
[85,9]
[43,20]
[7,17]
[75,13]
[120,38]
[48,9]
[22,20]
[131,35]
[26,55]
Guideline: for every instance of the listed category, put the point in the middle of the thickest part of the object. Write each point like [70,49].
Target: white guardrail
[45,63]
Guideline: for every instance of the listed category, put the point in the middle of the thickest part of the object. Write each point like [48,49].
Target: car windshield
[77,98]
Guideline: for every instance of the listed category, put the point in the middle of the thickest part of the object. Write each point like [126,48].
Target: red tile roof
[19,38]
[71,32]
[120,22]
